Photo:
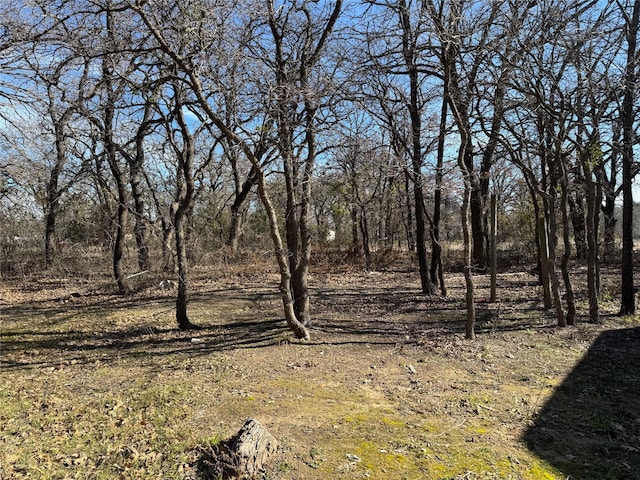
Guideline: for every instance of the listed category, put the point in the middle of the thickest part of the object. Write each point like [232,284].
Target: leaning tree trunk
[298,328]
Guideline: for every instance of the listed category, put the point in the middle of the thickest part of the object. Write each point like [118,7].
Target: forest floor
[94,385]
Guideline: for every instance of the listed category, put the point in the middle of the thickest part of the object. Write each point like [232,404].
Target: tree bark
[182,298]
[553,241]
[183,206]
[592,247]
[468,273]
[628,304]
[437,274]
[298,328]
[609,185]
[53,200]
[236,209]
[578,221]
[566,257]
[494,247]
[411,61]
[243,456]
[364,230]
[411,242]
[136,164]
[545,276]
[116,171]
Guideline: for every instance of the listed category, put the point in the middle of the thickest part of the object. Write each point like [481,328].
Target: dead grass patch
[98,386]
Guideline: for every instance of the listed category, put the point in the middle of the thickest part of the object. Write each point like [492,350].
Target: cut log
[243,457]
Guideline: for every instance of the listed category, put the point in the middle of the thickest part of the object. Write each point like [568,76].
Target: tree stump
[243,457]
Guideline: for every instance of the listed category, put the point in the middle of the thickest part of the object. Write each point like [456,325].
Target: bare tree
[299,34]
[182,139]
[398,67]
[186,63]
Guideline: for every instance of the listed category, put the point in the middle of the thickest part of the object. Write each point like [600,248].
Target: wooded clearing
[96,385]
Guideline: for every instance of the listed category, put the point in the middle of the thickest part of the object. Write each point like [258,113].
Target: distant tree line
[165,125]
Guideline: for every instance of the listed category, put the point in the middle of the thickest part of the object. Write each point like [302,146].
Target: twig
[452,428]
[136,274]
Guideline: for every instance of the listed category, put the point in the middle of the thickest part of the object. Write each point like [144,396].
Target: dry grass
[98,386]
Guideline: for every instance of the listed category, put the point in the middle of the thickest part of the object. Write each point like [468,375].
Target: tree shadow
[379,314]
[590,428]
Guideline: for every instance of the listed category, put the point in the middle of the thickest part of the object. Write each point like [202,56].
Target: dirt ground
[93,385]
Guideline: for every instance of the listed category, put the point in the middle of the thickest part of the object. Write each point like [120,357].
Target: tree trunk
[437,274]
[468,272]
[477,212]
[51,215]
[411,242]
[628,304]
[494,247]
[182,298]
[566,257]
[168,257]
[610,222]
[119,241]
[53,198]
[421,247]
[122,210]
[592,244]
[355,242]
[576,206]
[364,230]
[411,61]
[300,283]
[478,228]
[236,209]
[243,456]
[610,193]
[298,328]
[140,223]
[553,242]
[543,241]
[183,207]
[116,171]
